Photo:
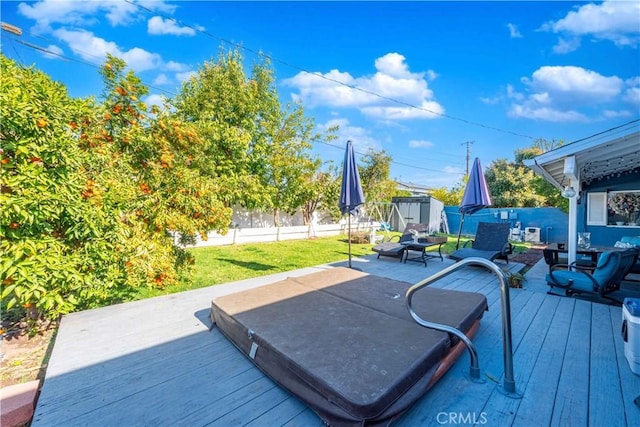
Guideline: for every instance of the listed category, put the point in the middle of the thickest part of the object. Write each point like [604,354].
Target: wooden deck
[155,363]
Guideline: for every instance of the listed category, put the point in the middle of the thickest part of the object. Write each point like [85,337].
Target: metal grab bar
[509,381]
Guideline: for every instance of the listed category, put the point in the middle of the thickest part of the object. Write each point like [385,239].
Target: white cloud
[566,45]
[632,96]
[415,143]
[183,77]
[616,21]
[565,94]
[362,139]
[161,79]
[155,100]
[56,50]
[514,33]
[47,13]
[89,47]
[374,94]
[175,66]
[159,26]
[536,112]
[574,83]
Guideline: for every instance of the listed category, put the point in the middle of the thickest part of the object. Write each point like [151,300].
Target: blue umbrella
[351,194]
[476,195]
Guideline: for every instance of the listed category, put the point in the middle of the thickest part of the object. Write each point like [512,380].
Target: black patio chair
[395,247]
[491,242]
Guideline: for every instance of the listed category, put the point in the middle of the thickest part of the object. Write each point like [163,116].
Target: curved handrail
[509,382]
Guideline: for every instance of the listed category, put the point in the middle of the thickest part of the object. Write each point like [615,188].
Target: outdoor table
[552,254]
[421,246]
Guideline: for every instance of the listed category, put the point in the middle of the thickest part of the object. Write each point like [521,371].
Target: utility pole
[468,154]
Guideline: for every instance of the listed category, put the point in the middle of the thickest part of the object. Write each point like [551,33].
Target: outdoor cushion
[397,249]
[632,240]
[491,242]
[611,268]
[470,252]
[394,249]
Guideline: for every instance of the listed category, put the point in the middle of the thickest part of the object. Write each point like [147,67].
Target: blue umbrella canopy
[476,195]
[351,194]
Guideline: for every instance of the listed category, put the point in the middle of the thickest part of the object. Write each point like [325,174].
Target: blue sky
[430,76]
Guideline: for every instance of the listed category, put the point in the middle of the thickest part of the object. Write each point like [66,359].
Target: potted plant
[515,280]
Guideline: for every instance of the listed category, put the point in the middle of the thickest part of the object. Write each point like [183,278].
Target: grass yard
[215,265]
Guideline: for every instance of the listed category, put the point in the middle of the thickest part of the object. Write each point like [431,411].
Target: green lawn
[215,265]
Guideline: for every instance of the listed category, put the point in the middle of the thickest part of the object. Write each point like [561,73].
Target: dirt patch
[530,257]
[24,358]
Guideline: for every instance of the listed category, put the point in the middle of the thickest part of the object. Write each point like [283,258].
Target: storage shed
[422,209]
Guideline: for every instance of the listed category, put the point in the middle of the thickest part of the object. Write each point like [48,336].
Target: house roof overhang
[595,158]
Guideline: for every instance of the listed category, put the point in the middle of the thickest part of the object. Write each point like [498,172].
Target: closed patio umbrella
[476,195]
[351,194]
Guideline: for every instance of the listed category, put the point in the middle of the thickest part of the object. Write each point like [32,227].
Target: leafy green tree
[89,192]
[59,246]
[323,191]
[375,176]
[511,185]
[453,196]
[257,151]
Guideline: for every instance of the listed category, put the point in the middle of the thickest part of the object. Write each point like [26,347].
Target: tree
[323,190]
[375,176]
[59,245]
[511,185]
[451,197]
[257,151]
[551,195]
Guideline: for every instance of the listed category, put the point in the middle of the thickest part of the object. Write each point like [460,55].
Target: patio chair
[396,249]
[491,242]
[603,280]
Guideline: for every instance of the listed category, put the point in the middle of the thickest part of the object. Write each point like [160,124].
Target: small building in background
[420,209]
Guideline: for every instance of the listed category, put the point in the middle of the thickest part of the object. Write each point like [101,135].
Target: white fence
[276,234]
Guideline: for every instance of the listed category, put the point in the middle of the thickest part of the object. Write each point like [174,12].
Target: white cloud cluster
[568,94]
[361,137]
[419,143]
[159,26]
[68,22]
[613,20]
[392,93]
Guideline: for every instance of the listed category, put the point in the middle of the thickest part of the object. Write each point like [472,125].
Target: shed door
[410,212]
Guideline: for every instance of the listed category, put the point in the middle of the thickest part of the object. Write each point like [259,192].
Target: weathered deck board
[572,394]
[603,381]
[547,368]
[154,362]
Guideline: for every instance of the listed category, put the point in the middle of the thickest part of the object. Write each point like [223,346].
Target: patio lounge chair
[397,248]
[491,242]
[606,277]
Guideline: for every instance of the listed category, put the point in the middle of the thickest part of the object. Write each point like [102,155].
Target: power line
[320,75]
[394,162]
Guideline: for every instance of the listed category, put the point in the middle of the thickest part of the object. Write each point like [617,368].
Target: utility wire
[322,76]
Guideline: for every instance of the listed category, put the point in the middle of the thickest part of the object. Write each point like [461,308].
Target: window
[597,209]
[623,208]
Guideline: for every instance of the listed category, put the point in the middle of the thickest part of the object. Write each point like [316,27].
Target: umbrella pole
[460,231]
[349,237]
